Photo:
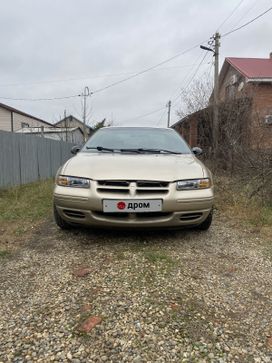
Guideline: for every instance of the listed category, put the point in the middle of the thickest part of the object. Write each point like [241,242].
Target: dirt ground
[137,296]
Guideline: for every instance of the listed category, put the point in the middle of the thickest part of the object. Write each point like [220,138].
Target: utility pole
[216,92]
[168,114]
[85,94]
[65,125]
[215,126]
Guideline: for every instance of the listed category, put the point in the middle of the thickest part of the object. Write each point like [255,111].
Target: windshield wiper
[130,150]
[142,150]
[100,148]
[139,150]
[158,151]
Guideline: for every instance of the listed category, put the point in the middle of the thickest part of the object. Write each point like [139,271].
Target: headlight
[193,184]
[72,181]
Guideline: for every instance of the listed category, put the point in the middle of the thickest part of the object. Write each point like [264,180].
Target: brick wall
[261,133]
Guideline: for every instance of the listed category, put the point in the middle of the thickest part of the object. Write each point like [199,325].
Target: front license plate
[132,205]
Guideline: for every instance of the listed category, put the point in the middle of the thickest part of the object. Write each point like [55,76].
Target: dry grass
[233,201]
[22,209]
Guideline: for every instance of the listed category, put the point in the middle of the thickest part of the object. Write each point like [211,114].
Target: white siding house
[12,119]
[73,134]
[71,121]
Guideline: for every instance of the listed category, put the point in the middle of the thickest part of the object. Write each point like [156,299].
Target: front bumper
[179,208]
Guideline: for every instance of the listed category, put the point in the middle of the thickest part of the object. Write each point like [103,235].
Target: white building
[72,121]
[12,119]
[73,134]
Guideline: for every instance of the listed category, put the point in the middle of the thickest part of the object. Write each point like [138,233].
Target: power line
[39,99]
[177,55]
[184,87]
[163,108]
[247,23]
[112,84]
[230,15]
[88,77]
[192,78]
[145,114]
[177,90]
[246,12]
[145,70]
[202,60]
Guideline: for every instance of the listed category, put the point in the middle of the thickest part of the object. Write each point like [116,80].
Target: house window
[24,124]
[230,91]
[268,120]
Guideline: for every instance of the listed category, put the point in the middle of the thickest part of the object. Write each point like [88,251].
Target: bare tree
[243,145]
[196,97]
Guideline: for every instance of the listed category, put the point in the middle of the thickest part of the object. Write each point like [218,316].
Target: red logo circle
[121,205]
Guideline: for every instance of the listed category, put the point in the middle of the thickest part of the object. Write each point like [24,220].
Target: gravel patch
[167,296]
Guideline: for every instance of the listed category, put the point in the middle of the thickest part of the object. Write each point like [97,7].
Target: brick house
[245,96]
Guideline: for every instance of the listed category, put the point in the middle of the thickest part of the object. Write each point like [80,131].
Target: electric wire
[196,71]
[247,23]
[246,12]
[144,115]
[40,99]
[174,102]
[87,77]
[230,15]
[145,70]
[163,114]
[109,85]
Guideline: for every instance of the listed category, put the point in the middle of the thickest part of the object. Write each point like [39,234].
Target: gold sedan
[134,177]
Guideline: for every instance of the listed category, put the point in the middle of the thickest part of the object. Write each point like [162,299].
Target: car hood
[163,167]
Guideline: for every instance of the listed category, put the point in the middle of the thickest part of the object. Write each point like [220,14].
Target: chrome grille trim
[140,187]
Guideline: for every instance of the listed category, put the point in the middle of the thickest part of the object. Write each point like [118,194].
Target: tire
[205,225]
[61,223]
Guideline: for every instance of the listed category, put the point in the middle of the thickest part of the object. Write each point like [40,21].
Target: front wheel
[61,223]
[205,225]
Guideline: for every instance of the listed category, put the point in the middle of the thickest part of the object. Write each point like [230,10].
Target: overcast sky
[54,48]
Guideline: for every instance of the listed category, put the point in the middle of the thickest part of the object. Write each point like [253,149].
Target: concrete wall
[26,158]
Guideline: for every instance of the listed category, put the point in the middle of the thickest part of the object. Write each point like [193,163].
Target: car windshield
[138,140]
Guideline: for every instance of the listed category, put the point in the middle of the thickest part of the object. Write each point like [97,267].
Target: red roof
[252,67]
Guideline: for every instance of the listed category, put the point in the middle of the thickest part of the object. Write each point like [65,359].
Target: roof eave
[12,109]
[265,80]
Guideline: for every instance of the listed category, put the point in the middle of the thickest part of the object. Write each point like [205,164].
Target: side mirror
[75,149]
[197,150]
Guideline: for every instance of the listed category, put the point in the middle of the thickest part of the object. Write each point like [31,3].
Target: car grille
[139,216]
[132,187]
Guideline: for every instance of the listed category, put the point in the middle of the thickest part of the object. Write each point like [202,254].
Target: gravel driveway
[182,296]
